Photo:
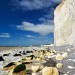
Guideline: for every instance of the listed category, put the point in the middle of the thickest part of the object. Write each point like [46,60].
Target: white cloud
[50,13]
[48,17]
[47,25]
[42,29]
[35,4]
[46,21]
[5,35]
[30,36]
[42,19]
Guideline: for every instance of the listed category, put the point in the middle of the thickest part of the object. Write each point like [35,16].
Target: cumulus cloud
[35,4]
[48,17]
[46,21]
[42,29]
[5,35]
[29,36]
[50,14]
[47,25]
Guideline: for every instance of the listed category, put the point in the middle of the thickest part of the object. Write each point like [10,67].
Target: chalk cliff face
[64,20]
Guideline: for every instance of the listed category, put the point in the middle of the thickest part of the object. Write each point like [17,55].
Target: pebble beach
[62,57]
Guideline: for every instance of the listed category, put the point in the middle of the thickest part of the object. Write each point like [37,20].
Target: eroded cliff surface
[64,20]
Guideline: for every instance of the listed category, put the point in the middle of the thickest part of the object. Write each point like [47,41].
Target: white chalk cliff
[64,20]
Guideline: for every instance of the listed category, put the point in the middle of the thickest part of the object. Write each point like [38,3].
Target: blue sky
[27,22]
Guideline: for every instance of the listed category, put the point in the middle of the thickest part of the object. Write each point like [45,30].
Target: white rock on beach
[64,20]
[59,57]
[59,65]
[50,71]
[65,74]
[70,67]
[35,68]
[68,49]
[65,55]
[34,74]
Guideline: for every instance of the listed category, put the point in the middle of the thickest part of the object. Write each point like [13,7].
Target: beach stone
[20,73]
[65,74]
[65,68]
[50,71]
[65,54]
[9,66]
[64,19]
[19,70]
[35,68]
[59,57]
[50,63]
[1,58]
[59,65]
[35,74]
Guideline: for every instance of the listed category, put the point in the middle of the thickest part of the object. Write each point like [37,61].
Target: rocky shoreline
[62,58]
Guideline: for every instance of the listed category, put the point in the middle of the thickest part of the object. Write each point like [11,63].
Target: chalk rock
[34,73]
[50,71]
[35,68]
[59,65]
[65,55]
[65,74]
[59,57]
[64,32]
